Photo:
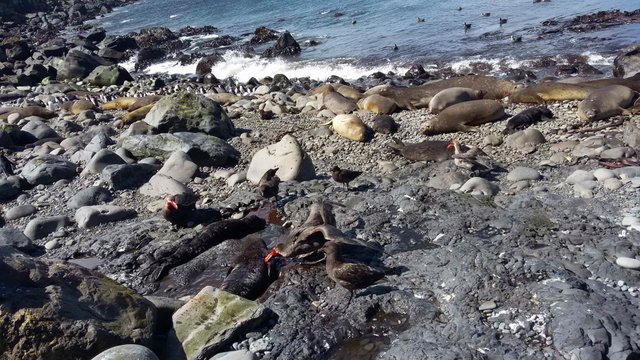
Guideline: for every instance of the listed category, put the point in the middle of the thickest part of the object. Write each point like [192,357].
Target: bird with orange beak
[178,210]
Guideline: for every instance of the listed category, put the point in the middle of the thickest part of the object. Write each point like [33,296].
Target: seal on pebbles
[606,102]
[462,116]
[452,96]
[527,118]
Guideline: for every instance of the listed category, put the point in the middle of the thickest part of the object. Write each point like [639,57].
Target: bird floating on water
[420,19]
[502,21]
[467,26]
[516,39]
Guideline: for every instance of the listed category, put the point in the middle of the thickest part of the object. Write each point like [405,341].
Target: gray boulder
[47,169]
[102,159]
[41,227]
[525,141]
[78,65]
[204,150]
[179,166]
[66,309]
[162,185]
[93,195]
[127,176]
[19,211]
[190,112]
[90,216]
[108,75]
[288,156]
[285,46]
[39,129]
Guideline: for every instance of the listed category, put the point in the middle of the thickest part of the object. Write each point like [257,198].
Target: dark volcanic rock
[202,30]
[627,63]
[50,309]
[206,63]
[285,46]
[263,35]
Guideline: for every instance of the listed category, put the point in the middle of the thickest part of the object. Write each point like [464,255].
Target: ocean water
[351,50]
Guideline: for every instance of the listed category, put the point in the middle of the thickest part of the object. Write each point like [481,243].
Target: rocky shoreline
[533,254]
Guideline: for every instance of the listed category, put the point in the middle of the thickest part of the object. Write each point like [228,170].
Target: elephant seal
[120,103]
[377,104]
[348,92]
[144,101]
[606,102]
[137,114]
[451,96]
[419,96]
[79,106]
[460,117]
[526,118]
[27,111]
[632,83]
[350,126]
[338,104]
[224,98]
[423,151]
[384,124]
[551,91]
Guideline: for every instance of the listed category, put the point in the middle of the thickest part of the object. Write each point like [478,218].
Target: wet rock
[179,167]
[92,195]
[127,176]
[262,35]
[627,63]
[523,173]
[16,239]
[98,142]
[78,65]
[288,156]
[190,112]
[102,159]
[64,308]
[204,150]
[19,211]
[108,75]
[212,319]
[43,226]
[90,216]
[47,169]
[127,352]
[285,46]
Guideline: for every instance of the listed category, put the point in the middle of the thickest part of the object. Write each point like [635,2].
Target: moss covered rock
[204,150]
[213,319]
[56,310]
[190,112]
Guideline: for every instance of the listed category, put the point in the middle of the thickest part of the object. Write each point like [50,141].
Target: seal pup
[606,102]
[268,184]
[344,176]
[384,124]
[462,116]
[526,118]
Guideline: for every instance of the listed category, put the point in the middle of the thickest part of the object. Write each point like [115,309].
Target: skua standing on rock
[268,185]
[344,176]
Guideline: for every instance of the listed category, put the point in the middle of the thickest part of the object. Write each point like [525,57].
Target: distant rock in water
[285,46]
[263,35]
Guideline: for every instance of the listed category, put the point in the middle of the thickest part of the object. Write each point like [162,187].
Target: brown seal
[606,102]
[452,96]
[338,104]
[377,104]
[384,124]
[419,96]
[27,111]
[460,117]
[551,91]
